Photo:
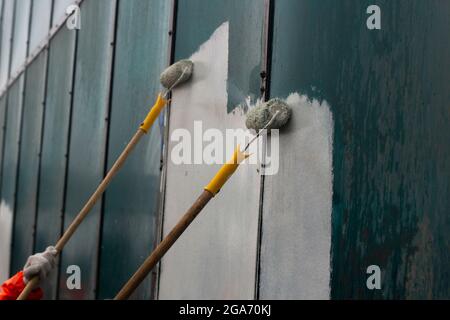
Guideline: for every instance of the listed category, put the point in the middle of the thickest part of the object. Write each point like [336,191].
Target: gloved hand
[40,264]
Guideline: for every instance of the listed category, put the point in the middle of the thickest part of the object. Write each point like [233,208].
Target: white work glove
[40,264]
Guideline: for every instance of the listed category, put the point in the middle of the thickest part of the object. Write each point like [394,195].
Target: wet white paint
[296,231]
[6,220]
[215,257]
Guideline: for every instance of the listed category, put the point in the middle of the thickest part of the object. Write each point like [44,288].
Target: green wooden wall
[388,94]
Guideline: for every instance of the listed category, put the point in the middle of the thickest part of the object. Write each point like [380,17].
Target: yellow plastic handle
[226,171]
[153,114]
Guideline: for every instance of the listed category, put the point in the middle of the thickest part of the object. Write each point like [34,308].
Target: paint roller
[270,115]
[173,76]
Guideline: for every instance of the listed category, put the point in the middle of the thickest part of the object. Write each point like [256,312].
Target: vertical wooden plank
[165,136]
[215,258]
[28,170]
[87,142]
[391,188]
[9,173]
[1,24]
[55,147]
[5,228]
[1,12]
[41,12]
[131,201]
[3,100]
[296,212]
[20,34]
[5,46]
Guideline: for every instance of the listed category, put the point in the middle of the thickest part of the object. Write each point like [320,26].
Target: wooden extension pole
[209,192]
[164,246]
[32,284]
[143,129]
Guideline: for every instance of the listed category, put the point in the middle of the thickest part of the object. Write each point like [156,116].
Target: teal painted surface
[40,22]
[11,154]
[87,142]
[30,147]
[389,95]
[4,266]
[388,91]
[2,129]
[54,147]
[131,201]
[1,13]
[5,44]
[20,35]
[197,20]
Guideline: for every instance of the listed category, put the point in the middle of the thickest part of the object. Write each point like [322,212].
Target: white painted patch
[6,220]
[296,232]
[215,257]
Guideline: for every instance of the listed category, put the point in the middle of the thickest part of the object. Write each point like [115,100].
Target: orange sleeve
[12,287]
